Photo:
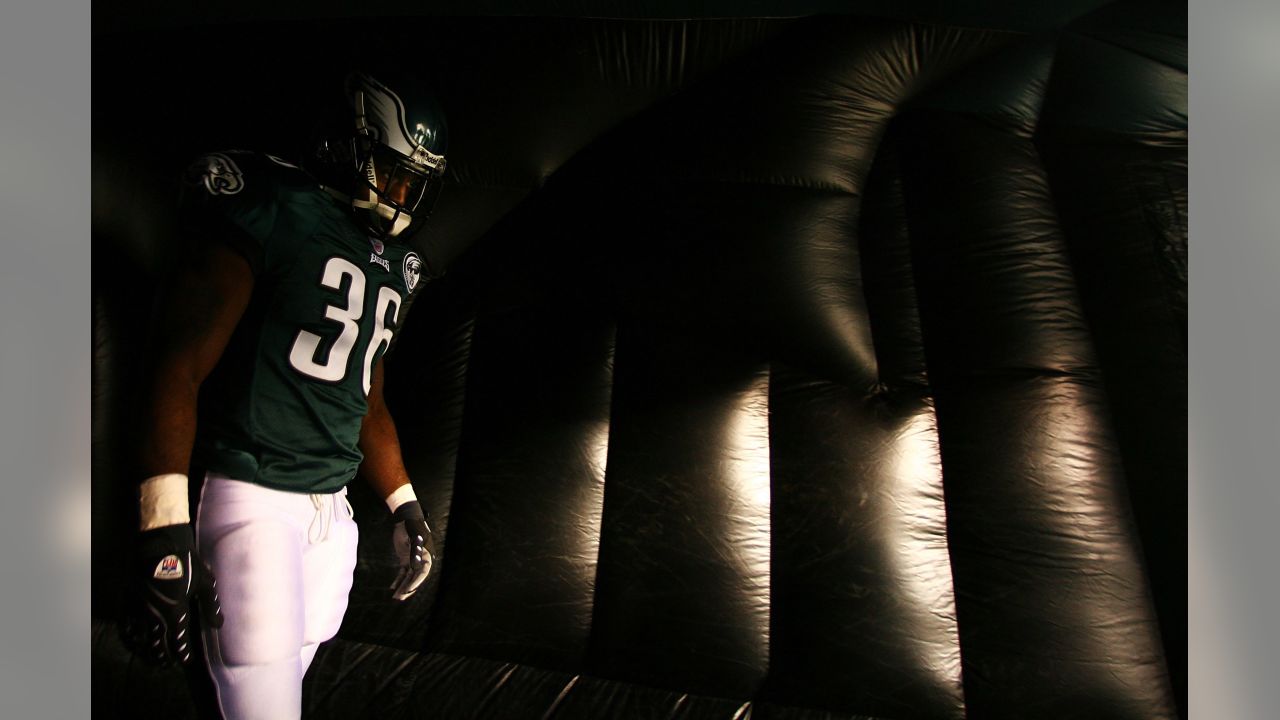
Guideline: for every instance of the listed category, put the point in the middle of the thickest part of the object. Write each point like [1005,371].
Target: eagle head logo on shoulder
[218,174]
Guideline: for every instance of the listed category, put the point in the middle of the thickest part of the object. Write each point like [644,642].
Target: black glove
[414,549]
[160,627]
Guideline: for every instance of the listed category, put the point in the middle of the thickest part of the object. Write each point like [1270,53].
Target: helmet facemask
[392,190]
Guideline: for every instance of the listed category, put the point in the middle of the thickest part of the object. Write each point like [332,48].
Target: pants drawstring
[326,515]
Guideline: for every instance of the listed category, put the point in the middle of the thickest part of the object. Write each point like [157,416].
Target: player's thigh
[257,558]
[328,569]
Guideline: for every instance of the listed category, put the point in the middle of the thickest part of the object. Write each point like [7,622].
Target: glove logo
[170,568]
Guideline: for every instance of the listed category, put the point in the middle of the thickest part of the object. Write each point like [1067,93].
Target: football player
[297,286]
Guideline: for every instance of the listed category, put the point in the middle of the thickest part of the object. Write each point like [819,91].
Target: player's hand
[161,626]
[414,549]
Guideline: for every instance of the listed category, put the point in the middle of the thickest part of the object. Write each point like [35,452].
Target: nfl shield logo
[378,247]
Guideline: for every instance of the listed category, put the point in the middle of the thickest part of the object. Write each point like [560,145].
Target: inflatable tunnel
[775,367]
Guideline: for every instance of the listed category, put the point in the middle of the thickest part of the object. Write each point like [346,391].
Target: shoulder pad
[236,198]
[233,172]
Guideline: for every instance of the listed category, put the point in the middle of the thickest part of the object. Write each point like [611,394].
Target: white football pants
[284,564]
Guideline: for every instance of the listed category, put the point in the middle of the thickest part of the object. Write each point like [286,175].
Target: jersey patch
[170,568]
[218,174]
[412,270]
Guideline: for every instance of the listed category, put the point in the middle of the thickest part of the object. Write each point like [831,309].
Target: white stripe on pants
[284,564]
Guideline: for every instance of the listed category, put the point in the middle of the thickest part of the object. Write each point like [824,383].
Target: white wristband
[402,495]
[162,500]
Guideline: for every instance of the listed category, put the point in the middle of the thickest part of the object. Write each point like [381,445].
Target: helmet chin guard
[384,220]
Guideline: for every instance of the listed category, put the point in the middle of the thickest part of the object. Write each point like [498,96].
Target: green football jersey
[284,406]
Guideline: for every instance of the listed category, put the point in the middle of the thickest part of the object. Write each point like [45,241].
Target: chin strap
[400,223]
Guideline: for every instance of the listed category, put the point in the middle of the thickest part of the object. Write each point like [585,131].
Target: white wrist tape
[162,500]
[402,495]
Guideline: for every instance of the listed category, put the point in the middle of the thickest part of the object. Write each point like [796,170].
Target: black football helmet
[384,152]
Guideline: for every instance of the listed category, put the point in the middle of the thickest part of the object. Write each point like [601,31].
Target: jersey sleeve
[402,317]
[228,198]
[417,274]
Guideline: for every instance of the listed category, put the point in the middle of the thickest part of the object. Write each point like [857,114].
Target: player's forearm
[169,424]
[383,466]
[199,316]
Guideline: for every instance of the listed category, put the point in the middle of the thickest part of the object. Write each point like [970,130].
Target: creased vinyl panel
[357,681]
[126,687]
[523,540]
[863,616]
[1054,613]
[753,249]
[682,599]
[1117,162]
[1127,232]
[858,495]
[861,569]
[805,109]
